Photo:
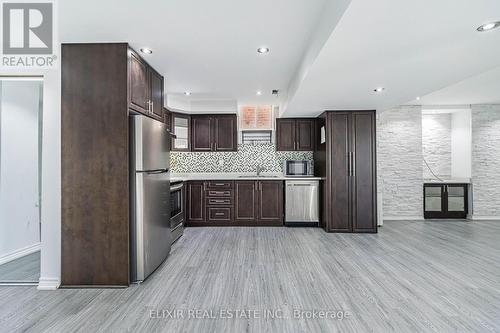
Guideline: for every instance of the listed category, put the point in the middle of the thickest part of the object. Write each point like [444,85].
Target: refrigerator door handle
[154,172]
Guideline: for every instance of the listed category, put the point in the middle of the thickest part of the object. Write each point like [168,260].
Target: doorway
[21,105]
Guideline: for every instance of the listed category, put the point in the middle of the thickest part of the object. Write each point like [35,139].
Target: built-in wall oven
[176,209]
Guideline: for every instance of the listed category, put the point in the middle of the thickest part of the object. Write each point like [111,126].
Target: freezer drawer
[151,223]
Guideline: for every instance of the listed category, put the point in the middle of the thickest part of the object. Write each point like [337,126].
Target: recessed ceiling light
[418,98]
[146,50]
[263,50]
[187,93]
[258,93]
[379,89]
[489,26]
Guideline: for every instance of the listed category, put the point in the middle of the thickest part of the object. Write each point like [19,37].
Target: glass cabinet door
[180,128]
[456,198]
[433,199]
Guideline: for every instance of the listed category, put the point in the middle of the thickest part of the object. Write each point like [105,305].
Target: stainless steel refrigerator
[150,188]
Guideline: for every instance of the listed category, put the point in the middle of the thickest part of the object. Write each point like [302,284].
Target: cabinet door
[434,201]
[338,146]
[195,202]
[225,133]
[285,134]
[180,126]
[270,201]
[456,201]
[138,84]
[156,94]
[305,134]
[363,193]
[167,118]
[201,133]
[245,201]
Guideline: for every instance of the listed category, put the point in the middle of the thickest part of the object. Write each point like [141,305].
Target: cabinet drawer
[219,185]
[215,193]
[219,213]
[219,201]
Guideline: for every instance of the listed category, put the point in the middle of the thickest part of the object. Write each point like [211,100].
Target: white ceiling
[480,89]
[206,47]
[411,48]
[322,55]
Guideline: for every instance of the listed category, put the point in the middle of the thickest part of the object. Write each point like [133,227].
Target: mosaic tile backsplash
[245,159]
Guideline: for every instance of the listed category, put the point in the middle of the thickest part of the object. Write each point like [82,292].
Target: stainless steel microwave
[298,168]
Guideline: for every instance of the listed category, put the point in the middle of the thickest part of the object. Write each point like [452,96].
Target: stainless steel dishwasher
[302,203]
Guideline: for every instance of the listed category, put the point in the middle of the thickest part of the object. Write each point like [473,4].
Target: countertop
[448,181]
[234,176]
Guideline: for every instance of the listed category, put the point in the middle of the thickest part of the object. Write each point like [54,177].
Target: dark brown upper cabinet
[138,84]
[156,94]
[295,134]
[201,133]
[180,126]
[213,133]
[225,133]
[167,115]
[145,87]
[347,162]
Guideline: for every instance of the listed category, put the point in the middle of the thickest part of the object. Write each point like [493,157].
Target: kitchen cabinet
[156,94]
[167,118]
[347,161]
[213,133]
[195,195]
[236,203]
[270,202]
[145,87]
[246,204]
[445,200]
[295,134]
[201,133]
[95,176]
[180,126]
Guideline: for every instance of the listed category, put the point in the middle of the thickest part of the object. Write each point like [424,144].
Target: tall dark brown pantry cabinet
[101,84]
[346,158]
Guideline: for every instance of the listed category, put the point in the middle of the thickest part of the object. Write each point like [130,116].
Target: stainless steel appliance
[302,202]
[150,195]
[176,210]
[298,168]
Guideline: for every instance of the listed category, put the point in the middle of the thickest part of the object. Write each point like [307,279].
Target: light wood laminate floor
[24,269]
[410,277]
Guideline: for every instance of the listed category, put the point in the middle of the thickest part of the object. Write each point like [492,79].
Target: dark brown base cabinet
[101,84]
[347,161]
[445,201]
[234,203]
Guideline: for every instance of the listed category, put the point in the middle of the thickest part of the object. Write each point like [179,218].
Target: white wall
[19,166]
[50,273]
[486,161]
[399,162]
[436,145]
[461,139]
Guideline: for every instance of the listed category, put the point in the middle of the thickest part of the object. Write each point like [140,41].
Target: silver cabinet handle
[349,172]
[219,214]
[353,164]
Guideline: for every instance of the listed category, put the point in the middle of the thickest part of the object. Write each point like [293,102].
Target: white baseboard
[19,253]
[403,218]
[48,283]
[485,218]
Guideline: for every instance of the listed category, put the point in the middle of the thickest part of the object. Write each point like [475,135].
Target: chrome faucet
[259,170]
